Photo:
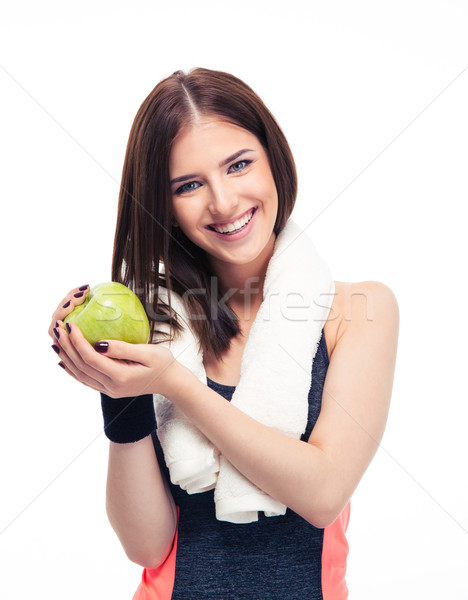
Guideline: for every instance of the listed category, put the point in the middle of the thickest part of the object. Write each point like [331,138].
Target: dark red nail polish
[66,304]
[56,332]
[62,365]
[56,348]
[78,294]
[56,324]
[101,347]
[83,287]
[68,326]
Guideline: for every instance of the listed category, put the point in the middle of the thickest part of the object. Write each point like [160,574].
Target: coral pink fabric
[334,554]
[157,584]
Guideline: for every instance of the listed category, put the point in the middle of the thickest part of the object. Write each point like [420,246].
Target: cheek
[183,212]
[262,187]
[188,216]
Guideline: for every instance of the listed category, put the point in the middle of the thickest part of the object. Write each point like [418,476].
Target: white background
[372,97]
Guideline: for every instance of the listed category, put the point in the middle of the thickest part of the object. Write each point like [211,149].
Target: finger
[72,296]
[59,336]
[67,370]
[58,332]
[75,297]
[83,378]
[135,353]
[67,305]
[84,357]
[65,351]
[71,359]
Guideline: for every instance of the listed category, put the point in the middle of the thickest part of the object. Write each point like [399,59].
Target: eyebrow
[221,164]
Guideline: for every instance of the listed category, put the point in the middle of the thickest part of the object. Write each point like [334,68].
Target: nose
[223,201]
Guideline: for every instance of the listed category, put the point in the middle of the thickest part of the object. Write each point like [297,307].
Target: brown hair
[145,235]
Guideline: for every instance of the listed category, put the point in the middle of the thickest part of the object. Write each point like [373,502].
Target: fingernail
[56,348]
[78,294]
[68,327]
[56,332]
[56,324]
[101,346]
[83,287]
[66,304]
[62,365]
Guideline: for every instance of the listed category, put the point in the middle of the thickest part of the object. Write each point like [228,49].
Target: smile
[234,226]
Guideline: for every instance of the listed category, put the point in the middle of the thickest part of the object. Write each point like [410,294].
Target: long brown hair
[145,235]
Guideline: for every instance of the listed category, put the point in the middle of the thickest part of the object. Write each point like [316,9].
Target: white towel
[275,376]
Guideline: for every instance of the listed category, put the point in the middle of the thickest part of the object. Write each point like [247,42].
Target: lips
[241,216]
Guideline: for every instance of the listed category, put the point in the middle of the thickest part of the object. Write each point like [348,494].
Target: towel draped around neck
[275,376]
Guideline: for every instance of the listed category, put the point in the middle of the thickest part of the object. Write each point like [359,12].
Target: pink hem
[157,584]
[334,554]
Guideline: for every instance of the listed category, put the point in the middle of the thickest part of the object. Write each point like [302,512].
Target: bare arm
[315,479]
[139,504]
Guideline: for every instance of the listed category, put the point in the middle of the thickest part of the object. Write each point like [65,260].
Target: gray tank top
[275,558]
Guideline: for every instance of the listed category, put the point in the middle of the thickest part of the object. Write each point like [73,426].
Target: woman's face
[217,183]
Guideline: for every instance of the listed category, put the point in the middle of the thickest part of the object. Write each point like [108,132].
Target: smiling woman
[178,137]
[240,432]
[224,199]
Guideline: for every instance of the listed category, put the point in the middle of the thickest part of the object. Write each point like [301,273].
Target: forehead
[209,139]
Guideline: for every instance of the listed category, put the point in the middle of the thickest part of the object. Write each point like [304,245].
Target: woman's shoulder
[353,302]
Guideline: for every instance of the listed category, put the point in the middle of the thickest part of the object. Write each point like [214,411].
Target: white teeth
[234,226]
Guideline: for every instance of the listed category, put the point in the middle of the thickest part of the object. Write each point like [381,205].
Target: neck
[242,285]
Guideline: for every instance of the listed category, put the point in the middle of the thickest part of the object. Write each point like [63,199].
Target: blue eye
[184,189]
[247,162]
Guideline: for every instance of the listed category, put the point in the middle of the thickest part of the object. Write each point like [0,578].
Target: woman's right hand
[73,298]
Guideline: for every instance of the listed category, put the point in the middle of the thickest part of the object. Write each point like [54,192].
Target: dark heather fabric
[276,558]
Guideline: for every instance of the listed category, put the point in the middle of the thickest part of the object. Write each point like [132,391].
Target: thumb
[122,350]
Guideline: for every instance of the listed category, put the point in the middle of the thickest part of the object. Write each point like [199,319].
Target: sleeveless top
[282,557]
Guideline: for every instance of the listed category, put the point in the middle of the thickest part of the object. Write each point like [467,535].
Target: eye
[245,162]
[183,188]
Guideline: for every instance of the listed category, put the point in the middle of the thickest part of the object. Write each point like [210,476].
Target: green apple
[111,311]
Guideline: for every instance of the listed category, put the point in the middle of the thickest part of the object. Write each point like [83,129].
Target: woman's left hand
[142,368]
